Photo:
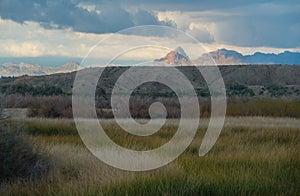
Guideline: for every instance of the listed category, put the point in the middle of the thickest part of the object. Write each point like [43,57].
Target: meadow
[253,156]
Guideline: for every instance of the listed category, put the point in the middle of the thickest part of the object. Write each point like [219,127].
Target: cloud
[189,5]
[104,17]
[71,27]
[273,24]
[31,40]
[25,49]
[202,32]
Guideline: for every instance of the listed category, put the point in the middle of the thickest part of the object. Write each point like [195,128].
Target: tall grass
[248,158]
[264,107]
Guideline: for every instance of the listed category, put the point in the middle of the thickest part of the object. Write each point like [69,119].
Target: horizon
[45,65]
[61,60]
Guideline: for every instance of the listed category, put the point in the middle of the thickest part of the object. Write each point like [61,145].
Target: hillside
[261,79]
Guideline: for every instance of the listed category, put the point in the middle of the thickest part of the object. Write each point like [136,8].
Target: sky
[70,28]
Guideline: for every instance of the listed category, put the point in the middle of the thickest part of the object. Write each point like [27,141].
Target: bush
[24,89]
[52,107]
[18,158]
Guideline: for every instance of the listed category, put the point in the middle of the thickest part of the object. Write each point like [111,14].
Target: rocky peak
[175,57]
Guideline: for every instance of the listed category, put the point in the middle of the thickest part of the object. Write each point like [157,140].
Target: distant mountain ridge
[176,57]
[231,57]
[14,69]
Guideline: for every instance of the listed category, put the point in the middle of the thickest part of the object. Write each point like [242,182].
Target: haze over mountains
[177,57]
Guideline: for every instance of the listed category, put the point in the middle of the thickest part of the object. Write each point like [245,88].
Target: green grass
[248,158]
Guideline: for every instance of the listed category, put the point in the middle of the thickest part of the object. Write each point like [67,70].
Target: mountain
[14,69]
[231,57]
[220,57]
[290,58]
[175,57]
[40,60]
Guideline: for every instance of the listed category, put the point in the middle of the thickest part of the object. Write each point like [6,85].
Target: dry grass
[253,155]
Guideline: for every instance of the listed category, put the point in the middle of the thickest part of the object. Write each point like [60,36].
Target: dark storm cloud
[67,14]
[196,5]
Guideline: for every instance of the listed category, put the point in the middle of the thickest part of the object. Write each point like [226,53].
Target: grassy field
[254,155]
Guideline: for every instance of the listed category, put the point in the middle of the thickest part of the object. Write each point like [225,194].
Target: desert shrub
[202,92]
[18,157]
[104,113]
[24,89]
[139,106]
[238,89]
[47,91]
[277,91]
[52,107]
